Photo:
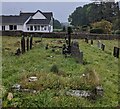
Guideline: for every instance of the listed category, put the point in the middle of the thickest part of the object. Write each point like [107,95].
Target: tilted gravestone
[116,52]
[103,47]
[76,53]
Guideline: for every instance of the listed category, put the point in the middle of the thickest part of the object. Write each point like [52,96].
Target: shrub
[54,69]
[117,32]
[97,30]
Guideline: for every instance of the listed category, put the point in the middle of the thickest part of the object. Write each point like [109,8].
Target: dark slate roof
[38,21]
[20,19]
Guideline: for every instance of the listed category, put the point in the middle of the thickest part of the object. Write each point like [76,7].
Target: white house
[28,22]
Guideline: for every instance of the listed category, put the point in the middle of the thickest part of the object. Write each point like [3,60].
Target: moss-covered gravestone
[76,53]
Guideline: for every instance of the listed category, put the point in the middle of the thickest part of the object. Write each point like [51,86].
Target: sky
[61,10]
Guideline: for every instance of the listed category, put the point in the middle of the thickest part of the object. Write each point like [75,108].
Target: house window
[42,28]
[31,28]
[45,28]
[35,27]
[3,28]
[28,29]
[38,27]
[15,27]
[10,27]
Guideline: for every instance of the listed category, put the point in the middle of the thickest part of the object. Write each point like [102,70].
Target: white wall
[6,27]
[19,27]
[0,27]
[38,15]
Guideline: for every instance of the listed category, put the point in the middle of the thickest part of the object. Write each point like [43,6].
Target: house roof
[20,19]
[37,21]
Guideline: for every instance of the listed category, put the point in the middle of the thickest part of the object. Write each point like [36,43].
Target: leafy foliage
[54,69]
[56,24]
[117,32]
[97,31]
[93,12]
[103,26]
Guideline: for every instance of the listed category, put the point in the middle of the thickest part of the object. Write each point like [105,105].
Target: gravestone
[69,39]
[31,39]
[91,42]
[27,43]
[103,47]
[23,44]
[46,47]
[86,40]
[99,44]
[76,53]
[116,52]
[99,91]
[18,52]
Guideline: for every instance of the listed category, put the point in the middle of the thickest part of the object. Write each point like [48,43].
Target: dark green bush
[117,32]
[54,69]
[97,30]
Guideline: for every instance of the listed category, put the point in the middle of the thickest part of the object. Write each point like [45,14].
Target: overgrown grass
[52,86]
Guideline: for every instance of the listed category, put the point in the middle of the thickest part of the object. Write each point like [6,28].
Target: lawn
[51,87]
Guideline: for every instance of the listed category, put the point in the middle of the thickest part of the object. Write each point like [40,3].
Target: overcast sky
[61,10]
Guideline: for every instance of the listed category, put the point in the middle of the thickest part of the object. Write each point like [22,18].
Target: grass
[51,87]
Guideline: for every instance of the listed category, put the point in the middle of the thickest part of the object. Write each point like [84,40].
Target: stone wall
[62,35]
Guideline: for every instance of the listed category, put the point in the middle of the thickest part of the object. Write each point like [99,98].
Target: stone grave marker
[86,40]
[91,42]
[99,44]
[103,47]
[116,52]
[18,52]
[23,44]
[31,42]
[27,41]
[76,53]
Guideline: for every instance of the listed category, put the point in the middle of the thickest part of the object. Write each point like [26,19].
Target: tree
[56,24]
[104,25]
[94,12]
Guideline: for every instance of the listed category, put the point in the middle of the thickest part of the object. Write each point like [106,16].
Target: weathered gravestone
[86,40]
[76,53]
[18,52]
[46,47]
[31,39]
[116,52]
[103,47]
[99,44]
[91,42]
[23,44]
[69,39]
[27,41]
